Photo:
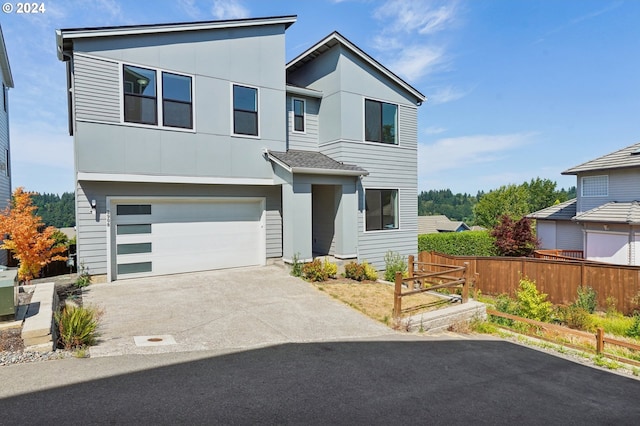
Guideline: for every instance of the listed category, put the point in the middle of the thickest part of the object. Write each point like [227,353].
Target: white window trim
[240,135]
[159,99]
[594,196]
[293,116]
[364,211]
[364,121]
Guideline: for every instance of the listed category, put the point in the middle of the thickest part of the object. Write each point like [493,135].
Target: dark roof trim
[315,164]
[335,38]
[4,62]
[65,37]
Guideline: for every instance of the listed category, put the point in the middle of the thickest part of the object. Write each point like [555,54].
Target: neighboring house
[5,147]
[197,147]
[439,223]
[604,219]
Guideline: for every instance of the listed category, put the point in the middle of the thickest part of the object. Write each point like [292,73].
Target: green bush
[586,299]
[467,243]
[531,303]
[296,266]
[634,329]
[370,272]
[314,271]
[575,317]
[507,305]
[354,271]
[330,268]
[84,278]
[78,326]
[394,262]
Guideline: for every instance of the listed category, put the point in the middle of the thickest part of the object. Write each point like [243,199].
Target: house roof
[623,158]
[65,37]
[336,38]
[7,78]
[562,211]
[438,223]
[613,212]
[310,162]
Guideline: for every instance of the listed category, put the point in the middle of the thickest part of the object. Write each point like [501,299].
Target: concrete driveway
[220,310]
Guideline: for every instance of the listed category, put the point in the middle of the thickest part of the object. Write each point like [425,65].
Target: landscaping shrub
[634,329]
[514,238]
[586,299]
[78,326]
[296,266]
[575,317]
[394,263]
[468,243]
[507,305]
[370,272]
[330,268]
[354,271]
[531,303]
[314,271]
[84,278]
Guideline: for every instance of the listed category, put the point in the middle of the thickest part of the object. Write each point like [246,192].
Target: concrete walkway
[220,310]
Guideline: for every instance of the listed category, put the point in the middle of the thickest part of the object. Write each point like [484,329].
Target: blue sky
[516,89]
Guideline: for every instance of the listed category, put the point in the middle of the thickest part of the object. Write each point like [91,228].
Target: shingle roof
[623,158]
[613,212]
[314,163]
[562,211]
[438,223]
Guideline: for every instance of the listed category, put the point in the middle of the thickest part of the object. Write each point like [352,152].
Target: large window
[595,186]
[298,115]
[381,209]
[380,122]
[245,110]
[177,109]
[140,104]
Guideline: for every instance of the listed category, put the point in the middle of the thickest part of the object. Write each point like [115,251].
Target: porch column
[346,226]
[296,221]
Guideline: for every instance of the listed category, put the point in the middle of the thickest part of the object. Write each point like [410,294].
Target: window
[380,122]
[298,115]
[140,105]
[132,209]
[245,110]
[176,101]
[595,186]
[381,209]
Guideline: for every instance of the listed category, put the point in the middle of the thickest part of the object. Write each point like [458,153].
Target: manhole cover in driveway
[162,340]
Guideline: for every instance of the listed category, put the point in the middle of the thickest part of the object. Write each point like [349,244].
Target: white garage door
[160,237]
[608,247]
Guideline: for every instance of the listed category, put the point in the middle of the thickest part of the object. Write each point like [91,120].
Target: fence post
[411,265]
[465,285]
[600,340]
[397,295]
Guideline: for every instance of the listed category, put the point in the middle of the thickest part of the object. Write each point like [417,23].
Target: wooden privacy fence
[559,254]
[560,279]
[428,276]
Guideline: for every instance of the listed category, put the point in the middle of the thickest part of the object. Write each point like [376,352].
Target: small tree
[514,238]
[32,244]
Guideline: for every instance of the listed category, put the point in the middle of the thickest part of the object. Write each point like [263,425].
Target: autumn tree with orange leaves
[32,244]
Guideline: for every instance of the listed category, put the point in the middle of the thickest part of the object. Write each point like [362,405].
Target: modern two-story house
[5,147]
[198,147]
[604,219]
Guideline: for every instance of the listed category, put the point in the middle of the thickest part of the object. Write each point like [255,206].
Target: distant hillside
[56,210]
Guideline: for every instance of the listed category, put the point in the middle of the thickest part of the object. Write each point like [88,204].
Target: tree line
[485,209]
[56,210]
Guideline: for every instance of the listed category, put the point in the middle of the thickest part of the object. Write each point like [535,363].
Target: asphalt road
[374,382]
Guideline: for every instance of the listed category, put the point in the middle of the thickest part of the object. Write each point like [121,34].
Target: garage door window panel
[133,229]
[134,268]
[134,248]
[133,209]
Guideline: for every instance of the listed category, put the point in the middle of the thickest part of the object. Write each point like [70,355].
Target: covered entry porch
[319,205]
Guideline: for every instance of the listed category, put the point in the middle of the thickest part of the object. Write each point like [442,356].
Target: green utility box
[8,293]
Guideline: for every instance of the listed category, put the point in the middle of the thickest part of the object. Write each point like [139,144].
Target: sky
[516,89]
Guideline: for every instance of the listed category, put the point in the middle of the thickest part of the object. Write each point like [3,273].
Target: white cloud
[415,62]
[446,94]
[409,16]
[461,152]
[434,130]
[229,9]
[189,7]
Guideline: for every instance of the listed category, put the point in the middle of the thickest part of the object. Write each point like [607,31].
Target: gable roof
[562,211]
[336,38]
[310,162]
[613,212]
[623,158]
[7,78]
[65,37]
[439,223]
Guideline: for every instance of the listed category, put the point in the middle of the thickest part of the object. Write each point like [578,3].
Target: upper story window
[595,186]
[298,115]
[140,103]
[381,209]
[141,94]
[380,122]
[177,110]
[245,110]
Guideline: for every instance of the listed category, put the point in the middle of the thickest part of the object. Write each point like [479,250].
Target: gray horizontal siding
[5,180]
[408,126]
[623,187]
[96,89]
[307,141]
[568,236]
[92,233]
